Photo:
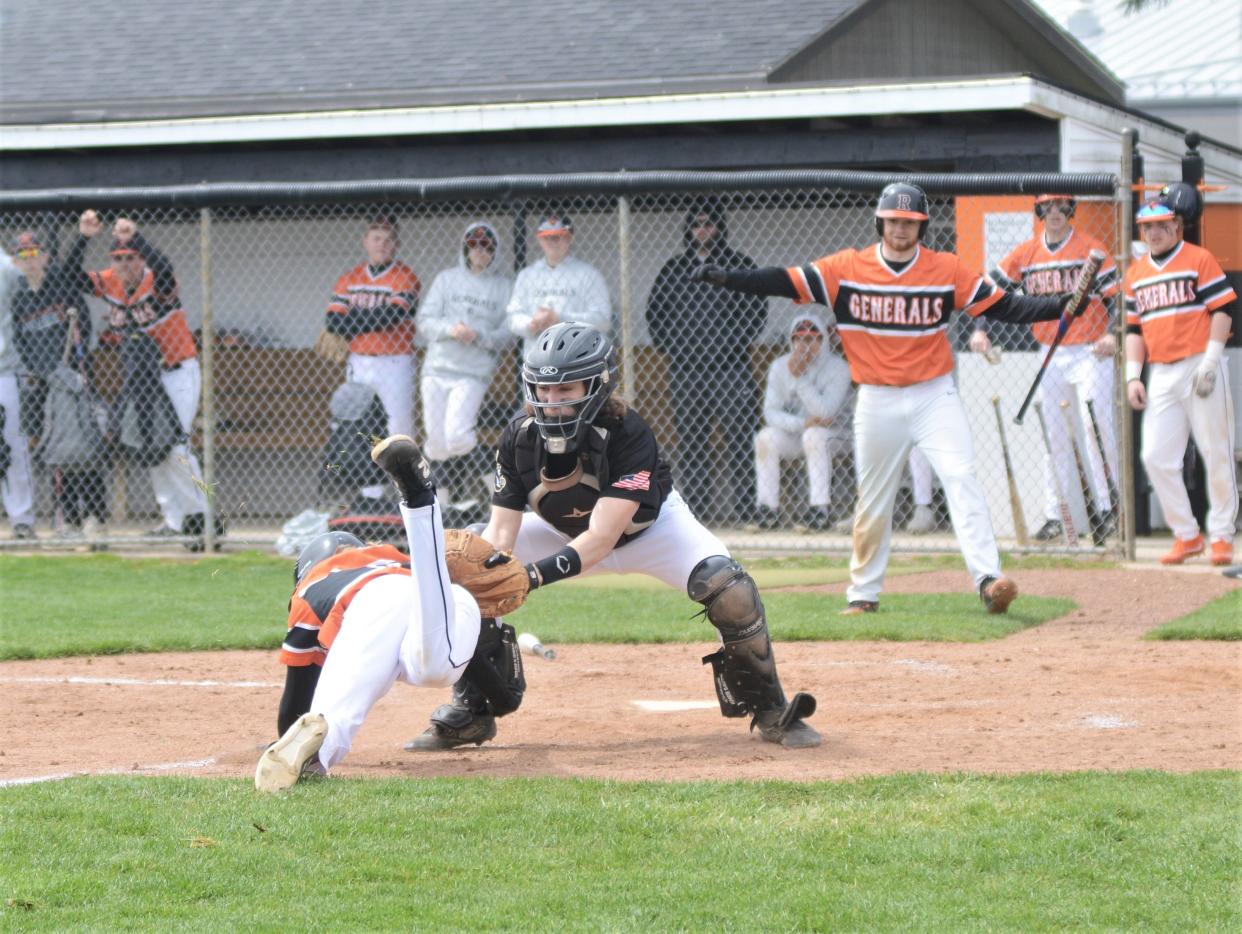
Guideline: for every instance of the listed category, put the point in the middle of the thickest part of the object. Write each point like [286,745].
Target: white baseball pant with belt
[888,422]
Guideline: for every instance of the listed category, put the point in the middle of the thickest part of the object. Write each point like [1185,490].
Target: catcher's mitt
[495,578]
[332,347]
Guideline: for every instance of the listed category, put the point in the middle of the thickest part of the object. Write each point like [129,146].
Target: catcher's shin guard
[744,668]
[492,685]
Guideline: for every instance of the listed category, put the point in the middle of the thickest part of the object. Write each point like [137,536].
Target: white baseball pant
[178,479]
[1076,375]
[817,444]
[450,414]
[668,550]
[17,489]
[419,629]
[920,478]
[392,378]
[1174,414]
[888,421]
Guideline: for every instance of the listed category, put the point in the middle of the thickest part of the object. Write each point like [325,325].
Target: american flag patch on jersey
[635,481]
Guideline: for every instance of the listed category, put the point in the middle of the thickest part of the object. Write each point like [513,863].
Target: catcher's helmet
[321,548]
[566,353]
[901,200]
[1184,199]
[1043,200]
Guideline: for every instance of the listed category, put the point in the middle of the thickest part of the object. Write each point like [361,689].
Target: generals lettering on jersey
[1170,301]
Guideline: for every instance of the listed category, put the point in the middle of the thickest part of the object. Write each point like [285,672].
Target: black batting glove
[708,273]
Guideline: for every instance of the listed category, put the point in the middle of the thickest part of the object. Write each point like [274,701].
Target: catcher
[363,616]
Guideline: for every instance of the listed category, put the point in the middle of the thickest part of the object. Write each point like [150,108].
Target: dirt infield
[1080,692]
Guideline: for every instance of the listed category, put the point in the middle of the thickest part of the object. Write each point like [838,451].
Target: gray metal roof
[74,60]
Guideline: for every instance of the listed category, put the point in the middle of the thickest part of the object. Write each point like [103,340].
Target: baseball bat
[1109,482]
[1073,309]
[1094,520]
[1067,518]
[1015,502]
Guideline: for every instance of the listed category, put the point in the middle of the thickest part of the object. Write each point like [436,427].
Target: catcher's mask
[321,548]
[902,200]
[1042,202]
[567,353]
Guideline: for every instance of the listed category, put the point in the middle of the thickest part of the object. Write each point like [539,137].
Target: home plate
[672,706]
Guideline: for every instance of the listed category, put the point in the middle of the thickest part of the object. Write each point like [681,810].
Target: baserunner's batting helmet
[901,200]
[321,548]
[566,353]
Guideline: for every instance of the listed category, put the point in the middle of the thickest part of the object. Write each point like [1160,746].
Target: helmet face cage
[568,353]
[902,200]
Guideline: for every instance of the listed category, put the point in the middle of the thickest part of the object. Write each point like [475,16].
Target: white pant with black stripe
[419,629]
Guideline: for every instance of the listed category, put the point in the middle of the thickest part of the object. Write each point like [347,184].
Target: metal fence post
[1125,227]
[209,399]
[627,313]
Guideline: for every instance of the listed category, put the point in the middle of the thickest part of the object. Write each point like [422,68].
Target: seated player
[363,616]
[602,500]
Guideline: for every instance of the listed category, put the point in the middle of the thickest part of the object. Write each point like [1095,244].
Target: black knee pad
[495,671]
[729,597]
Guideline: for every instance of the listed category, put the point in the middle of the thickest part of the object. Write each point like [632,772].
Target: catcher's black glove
[708,273]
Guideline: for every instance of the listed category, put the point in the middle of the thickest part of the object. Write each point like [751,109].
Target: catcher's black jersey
[618,458]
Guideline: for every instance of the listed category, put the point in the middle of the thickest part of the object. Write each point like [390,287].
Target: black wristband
[565,563]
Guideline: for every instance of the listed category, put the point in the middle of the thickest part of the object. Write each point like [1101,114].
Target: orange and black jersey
[893,316]
[374,307]
[154,305]
[618,458]
[1170,301]
[1038,269]
[319,602]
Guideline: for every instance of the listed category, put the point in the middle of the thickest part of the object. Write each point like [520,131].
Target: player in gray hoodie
[463,325]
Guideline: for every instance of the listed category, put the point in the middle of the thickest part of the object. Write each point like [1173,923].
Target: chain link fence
[277,430]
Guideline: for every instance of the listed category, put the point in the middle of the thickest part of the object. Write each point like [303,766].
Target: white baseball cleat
[283,762]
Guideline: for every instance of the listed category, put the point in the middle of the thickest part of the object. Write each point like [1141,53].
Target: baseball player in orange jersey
[892,302]
[1082,368]
[141,290]
[1179,311]
[373,305]
[363,617]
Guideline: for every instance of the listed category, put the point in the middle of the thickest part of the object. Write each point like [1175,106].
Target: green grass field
[912,852]
[1220,619]
[1114,851]
[146,605]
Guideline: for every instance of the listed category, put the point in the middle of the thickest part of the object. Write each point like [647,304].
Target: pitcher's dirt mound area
[1081,692]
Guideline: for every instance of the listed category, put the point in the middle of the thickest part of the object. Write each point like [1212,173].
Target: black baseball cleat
[1048,531]
[858,607]
[453,725]
[997,593]
[399,457]
[787,726]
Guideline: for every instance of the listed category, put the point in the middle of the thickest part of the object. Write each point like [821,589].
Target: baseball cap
[555,224]
[26,241]
[122,248]
[1046,199]
[1154,211]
